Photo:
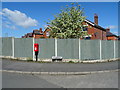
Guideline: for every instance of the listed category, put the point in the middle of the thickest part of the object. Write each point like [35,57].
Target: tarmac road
[99,80]
[57,67]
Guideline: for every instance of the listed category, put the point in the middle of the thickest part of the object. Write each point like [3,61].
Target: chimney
[107,29]
[96,19]
[41,30]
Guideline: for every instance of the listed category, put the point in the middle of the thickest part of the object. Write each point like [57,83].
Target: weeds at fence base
[29,60]
[71,62]
[43,62]
[75,61]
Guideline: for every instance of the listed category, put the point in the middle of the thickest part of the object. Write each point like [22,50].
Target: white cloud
[112,27]
[8,24]
[19,18]
[115,32]
[1,13]
[10,27]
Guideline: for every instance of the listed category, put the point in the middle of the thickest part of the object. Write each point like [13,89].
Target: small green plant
[71,61]
[43,62]
[77,62]
[40,61]
[29,60]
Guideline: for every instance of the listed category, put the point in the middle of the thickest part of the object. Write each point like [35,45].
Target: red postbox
[36,47]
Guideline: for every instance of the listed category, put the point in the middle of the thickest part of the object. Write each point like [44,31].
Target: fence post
[56,47]
[33,50]
[13,42]
[100,50]
[79,50]
[114,49]
[0,46]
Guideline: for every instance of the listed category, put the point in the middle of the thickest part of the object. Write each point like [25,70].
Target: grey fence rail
[67,48]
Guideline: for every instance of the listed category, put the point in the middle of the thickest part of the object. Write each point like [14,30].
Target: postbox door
[36,47]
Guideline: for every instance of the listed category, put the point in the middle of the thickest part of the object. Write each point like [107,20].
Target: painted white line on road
[60,73]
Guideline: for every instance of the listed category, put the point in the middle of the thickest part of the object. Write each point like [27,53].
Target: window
[87,38]
[47,34]
[85,29]
[96,34]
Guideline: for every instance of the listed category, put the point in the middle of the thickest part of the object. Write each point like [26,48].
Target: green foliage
[69,23]
[71,62]
[29,60]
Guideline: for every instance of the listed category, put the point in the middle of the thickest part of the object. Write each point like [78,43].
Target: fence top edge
[59,39]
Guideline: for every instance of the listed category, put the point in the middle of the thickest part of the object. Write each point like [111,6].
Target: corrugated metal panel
[0,46]
[7,46]
[46,48]
[118,49]
[23,47]
[107,49]
[68,48]
[90,49]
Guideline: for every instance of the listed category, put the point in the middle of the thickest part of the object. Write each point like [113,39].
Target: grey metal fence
[90,49]
[7,46]
[0,46]
[116,49]
[46,48]
[107,49]
[67,48]
[23,47]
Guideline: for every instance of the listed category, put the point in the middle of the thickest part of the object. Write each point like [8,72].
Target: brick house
[94,30]
[37,34]
[98,32]
[111,36]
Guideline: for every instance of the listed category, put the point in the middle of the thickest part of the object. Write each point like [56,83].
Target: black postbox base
[36,54]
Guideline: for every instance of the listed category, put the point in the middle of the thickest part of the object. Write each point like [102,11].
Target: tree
[69,23]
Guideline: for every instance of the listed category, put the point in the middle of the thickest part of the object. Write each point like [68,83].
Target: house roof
[95,25]
[110,34]
[30,34]
[37,32]
[101,28]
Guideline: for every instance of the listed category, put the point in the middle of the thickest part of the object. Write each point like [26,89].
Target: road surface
[57,67]
[100,80]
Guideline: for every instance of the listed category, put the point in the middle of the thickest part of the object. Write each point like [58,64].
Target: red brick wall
[38,36]
[111,38]
[44,34]
[96,33]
